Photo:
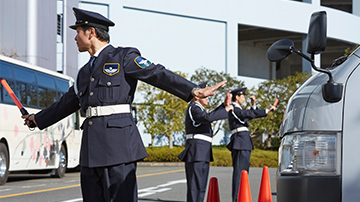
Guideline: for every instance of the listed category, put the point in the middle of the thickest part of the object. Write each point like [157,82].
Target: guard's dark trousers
[241,161]
[197,175]
[109,184]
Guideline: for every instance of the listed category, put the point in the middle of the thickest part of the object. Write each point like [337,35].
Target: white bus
[51,150]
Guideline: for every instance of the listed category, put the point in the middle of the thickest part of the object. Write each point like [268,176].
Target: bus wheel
[4,164]
[60,171]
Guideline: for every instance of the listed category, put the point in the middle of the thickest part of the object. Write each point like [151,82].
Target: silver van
[319,155]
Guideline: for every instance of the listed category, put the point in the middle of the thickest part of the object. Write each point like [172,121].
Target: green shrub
[163,154]
[222,156]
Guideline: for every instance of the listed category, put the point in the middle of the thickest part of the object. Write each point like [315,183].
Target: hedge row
[222,156]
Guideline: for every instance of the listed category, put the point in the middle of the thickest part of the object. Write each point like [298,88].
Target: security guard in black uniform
[240,144]
[198,149]
[104,89]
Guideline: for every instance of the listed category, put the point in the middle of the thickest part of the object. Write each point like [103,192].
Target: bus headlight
[310,154]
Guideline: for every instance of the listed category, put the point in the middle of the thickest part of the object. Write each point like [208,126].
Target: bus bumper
[310,189]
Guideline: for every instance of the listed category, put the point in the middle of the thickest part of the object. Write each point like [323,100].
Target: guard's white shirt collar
[99,51]
[237,105]
[198,104]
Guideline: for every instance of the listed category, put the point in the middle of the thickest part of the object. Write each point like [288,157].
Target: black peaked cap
[84,17]
[239,91]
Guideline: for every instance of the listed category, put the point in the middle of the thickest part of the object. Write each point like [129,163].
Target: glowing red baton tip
[229,98]
[276,101]
[11,93]
[23,111]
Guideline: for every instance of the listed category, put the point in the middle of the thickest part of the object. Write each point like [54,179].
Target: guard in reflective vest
[198,149]
[104,89]
[240,143]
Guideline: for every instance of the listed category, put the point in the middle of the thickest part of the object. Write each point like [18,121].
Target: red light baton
[229,98]
[17,102]
[276,101]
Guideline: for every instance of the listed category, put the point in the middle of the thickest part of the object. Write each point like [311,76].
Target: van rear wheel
[60,171]
[4,164]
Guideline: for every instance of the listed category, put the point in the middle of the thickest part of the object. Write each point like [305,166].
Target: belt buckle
[190,136]
[91,111]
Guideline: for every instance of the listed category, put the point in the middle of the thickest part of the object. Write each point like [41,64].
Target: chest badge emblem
[111,68]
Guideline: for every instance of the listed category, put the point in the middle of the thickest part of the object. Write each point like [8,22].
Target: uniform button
[91,93]
[81,93]
[90,123]
[108,83]
[92,79]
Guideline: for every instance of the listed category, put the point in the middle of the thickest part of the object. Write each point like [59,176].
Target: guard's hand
[29,120]
[229,108]
[272,108]
[209,91]
[253,100]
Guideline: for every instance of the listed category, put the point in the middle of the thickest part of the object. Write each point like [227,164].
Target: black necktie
[92,62]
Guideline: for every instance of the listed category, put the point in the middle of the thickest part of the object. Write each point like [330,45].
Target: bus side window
[20,92]
[47,89]
[32,96]
[62,86]
[25,86]
[5,73]
[42,97]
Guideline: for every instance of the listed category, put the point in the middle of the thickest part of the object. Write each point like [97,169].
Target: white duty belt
[199,137]
[107,110]
[240,129]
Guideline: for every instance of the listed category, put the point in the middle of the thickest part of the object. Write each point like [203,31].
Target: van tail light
[309,153]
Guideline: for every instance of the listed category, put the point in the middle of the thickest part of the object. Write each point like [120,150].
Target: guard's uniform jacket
[198,121]
[240,144]
[198,149]
[112,139]
[238,118]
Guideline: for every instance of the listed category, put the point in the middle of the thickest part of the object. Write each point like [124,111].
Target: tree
[13,53]
[213,77]
[161,112]
[266,93]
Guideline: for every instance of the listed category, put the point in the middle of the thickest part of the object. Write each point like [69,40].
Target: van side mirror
[332,91]
[316,41]
[279,50]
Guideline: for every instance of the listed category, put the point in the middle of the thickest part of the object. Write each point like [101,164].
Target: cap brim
[74,26]
[91,25]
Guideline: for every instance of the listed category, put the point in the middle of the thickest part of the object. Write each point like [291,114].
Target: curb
[166,164]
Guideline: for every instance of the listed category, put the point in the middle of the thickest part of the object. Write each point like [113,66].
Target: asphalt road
[155,183]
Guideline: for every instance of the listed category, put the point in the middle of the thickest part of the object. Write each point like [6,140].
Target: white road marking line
[158,188]
[39,185]
[73,200]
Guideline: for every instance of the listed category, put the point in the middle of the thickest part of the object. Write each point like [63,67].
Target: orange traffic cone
[265,189]
[213,191]
[244,188]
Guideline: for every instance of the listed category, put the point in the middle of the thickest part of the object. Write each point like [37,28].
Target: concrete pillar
[273,70]
[232,49]
[32,32]
[306,66]
[356,7]
[317,61]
